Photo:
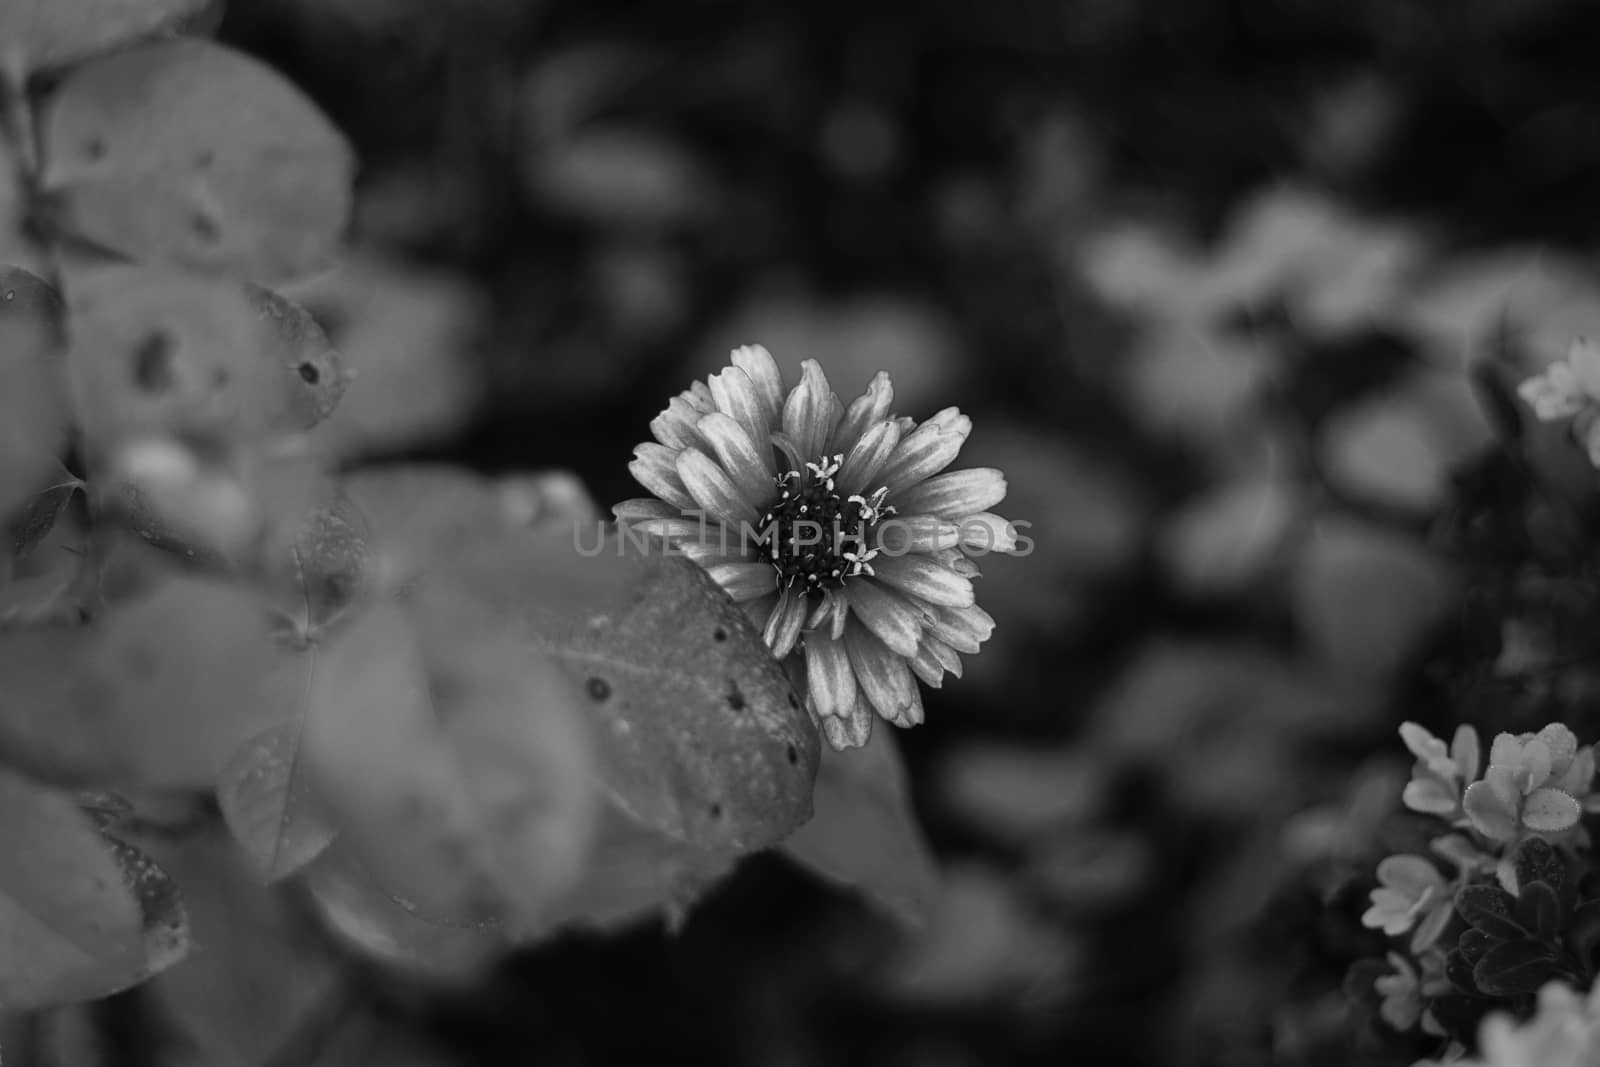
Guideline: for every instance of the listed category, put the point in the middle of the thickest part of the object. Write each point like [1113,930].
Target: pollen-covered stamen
[814,538]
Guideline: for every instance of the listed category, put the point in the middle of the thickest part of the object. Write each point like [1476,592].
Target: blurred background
[1208,275]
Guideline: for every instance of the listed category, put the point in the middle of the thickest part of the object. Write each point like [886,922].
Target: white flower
[1570,389]
[838,526]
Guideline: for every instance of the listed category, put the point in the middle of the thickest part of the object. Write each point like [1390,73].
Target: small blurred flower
[1412,893]
[1440,774]
[1539,782]
[834,525]
[1570,389]
[1405,991]
[1564,1032]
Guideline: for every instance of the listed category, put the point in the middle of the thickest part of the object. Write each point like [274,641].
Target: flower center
[815,538]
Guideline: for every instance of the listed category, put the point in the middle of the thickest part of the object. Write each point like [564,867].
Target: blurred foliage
[1236,293]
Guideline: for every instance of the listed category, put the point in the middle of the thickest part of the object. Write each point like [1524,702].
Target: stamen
[811,496]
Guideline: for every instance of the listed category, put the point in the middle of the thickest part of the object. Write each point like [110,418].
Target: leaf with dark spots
[164,353]
[1488,908]
[865,835]
[1514,967]
[669,744]
[457,764]
[192,155]
[82,915]
[1539,910]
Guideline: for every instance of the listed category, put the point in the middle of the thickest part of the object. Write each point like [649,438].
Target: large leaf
[155,352]
[33,409]
[1513,967]
[188,153]
[82,915]
[39,34]
[457,762]
[864,834]
[701,736]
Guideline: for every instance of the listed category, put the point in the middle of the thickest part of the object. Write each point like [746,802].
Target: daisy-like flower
[835,525]
[1570,389]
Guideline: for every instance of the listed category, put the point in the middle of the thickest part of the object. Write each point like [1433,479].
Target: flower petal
[884,678]
[807,417]
[1464,751]
[1550,811]
[829,679]
[831,612]
[1488,812]
[895,622]
[927,450]
[851,732]
[987,532]
[927,580]
[736,396]
[1562,745]
[744,581]
[1555,394]
[963,629]
[1429,796]
[1410,875]
[1578,779]
[749,466]
[640,508]
[762,370]
[1505,751]
[867,457]
[1431,928]
[710,487]
[1420,742]
[903,534]
[954,495]
[864,411]
[674,427]
[1584,359]
[654,467]
[782,628]
[717,546]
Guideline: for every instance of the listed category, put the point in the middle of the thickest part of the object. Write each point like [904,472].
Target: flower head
[1411,892]
[1570,389]
[836,525]
[1534,781]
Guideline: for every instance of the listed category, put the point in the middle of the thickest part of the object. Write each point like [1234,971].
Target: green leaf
[368,918]
[155,352]
[1514,967]
[1537,860]
[457,762]
[269,802]
[33,404]
[187,153]
[1539,910]
[82,915]
[864,835]
[258,973]
[701,736]
[48,725]
[39,515]
[1550,811]
[40,34]
[186,675]
[1488,908]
